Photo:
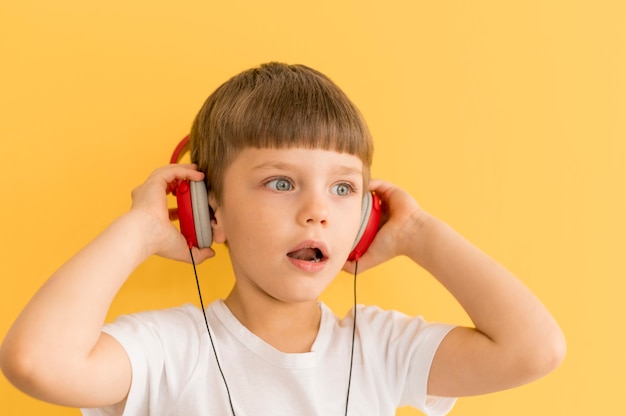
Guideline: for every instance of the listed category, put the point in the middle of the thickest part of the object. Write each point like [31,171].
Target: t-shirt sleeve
[158,361]
[408,346]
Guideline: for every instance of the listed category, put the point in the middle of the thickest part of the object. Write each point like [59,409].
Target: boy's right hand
[56,350]
[149,205]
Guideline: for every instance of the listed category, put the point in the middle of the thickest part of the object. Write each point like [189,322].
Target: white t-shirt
[174,370]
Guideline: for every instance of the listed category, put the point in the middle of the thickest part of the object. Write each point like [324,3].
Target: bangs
[307,112]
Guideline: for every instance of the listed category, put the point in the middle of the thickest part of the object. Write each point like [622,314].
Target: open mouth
[311,254]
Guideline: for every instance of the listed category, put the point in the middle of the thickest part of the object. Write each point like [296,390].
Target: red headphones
[195,218]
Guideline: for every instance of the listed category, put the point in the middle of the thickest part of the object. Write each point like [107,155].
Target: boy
[286,158]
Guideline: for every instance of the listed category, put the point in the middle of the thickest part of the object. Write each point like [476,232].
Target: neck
[288,327]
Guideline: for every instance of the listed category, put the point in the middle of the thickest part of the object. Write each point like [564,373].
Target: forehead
[316,161]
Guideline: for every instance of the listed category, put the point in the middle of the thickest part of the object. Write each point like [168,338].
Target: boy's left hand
[514,339]
[398,234]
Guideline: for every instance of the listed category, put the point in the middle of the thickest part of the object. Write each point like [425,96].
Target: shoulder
[176,317]
[397,332]
[382,326]
[162,326]
[399,350]
[389,321]
[163,347]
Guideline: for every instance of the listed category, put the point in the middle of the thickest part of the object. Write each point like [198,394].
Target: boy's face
[290,217]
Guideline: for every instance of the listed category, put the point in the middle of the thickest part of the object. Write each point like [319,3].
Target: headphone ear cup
[370,220]
[193,213]
[192,202]
[201,213]
[185,212]
[366,208]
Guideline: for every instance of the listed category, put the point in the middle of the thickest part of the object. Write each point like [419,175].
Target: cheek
[351,223]
[351,239]
[251,228]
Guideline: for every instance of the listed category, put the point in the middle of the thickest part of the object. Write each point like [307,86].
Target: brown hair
[276,106]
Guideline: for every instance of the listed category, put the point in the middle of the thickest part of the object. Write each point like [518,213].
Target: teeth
[310,254]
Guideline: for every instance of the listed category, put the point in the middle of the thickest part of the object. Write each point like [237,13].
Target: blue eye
[343,189]
[280,184]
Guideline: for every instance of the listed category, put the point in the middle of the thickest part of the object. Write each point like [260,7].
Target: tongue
[307,254]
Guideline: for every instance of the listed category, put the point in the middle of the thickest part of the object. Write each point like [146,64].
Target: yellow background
[506,120]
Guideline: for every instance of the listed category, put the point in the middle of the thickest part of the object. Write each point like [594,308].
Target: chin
[301,293]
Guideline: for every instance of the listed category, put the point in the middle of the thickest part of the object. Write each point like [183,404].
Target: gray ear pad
[201,215]
[366,209]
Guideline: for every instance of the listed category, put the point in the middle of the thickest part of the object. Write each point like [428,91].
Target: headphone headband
[181,149]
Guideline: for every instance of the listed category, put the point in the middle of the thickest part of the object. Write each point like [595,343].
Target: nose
[314,209]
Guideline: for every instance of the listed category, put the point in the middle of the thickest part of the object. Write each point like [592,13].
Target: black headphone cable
[206,322]
[219,367]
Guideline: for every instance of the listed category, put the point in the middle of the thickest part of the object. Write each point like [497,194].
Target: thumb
[368,260]
[201,254]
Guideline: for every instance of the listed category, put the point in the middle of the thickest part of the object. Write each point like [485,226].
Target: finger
[173,172]
[201,254]
[368,260]
[382,189]
[380,186]
[179,251]
[363,265]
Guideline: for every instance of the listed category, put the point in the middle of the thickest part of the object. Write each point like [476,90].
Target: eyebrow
[340,169]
